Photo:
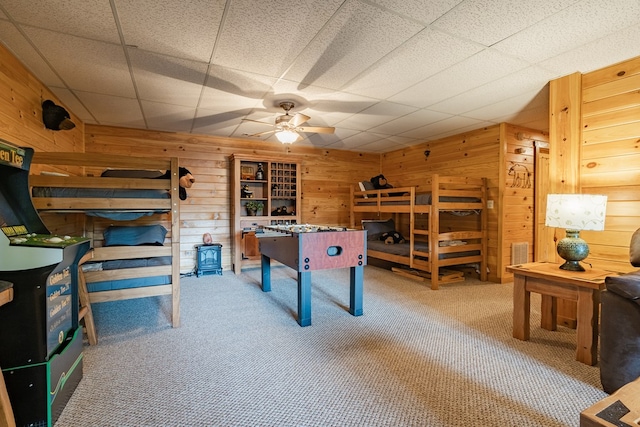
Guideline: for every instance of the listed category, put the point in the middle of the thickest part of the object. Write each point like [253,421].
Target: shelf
[279,190]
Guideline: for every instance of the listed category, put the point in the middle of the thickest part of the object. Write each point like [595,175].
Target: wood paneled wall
[504,154]
[21,97]
[610,158]
[326,178]
[599,114]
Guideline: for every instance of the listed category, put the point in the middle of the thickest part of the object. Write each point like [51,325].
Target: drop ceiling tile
[360,139]
[579,24]
[475,71]
[520,82]
[420,57]
[334,107]
[381,146]
[357,37]
[443,126]
[168,117]
[505,107]
[219,120]
[399,140]
[534,118]
[167,79]
[450,131]
[376,115]
[30,58]
[321,140]
[597,54]
[412,120]
[489,21]
[264,37]
[159,26]
[112,110]
[91,19]
[418,10]
[224,131]
[103,68]
[233,89]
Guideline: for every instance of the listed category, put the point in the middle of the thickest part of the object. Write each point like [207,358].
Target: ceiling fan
[287,127]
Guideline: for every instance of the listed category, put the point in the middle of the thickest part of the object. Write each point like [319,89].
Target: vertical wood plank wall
[488,152]
[326,178]
[21,97]
[610,158]
[605,126]
[564,152]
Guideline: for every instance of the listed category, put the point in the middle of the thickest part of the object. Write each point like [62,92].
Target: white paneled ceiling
[385,73]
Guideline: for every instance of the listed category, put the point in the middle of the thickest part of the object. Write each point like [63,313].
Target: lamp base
[573,250]
[572,266]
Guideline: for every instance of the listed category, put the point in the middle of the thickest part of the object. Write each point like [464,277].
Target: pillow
[376,228]
[634,249]
[47,173]
[134,236]
[366,186]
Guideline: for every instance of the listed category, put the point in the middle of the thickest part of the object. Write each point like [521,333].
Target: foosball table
[307,248]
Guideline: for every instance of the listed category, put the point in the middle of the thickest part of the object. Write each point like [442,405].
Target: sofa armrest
[626,285]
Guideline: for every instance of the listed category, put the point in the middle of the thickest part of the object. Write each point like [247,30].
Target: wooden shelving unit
[277,188]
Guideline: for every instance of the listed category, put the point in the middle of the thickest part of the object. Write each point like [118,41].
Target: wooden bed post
[175,243]
[434,231]
[484,224]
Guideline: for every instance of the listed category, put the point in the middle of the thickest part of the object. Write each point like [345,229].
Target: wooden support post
[85,312]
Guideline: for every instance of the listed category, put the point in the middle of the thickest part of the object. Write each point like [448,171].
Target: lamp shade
[287,136]
[576,211]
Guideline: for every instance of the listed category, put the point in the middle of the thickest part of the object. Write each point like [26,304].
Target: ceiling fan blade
[257,121]
[261,133]
[298,119]
[317,129]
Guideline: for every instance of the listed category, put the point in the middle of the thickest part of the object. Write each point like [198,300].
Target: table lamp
[575,212]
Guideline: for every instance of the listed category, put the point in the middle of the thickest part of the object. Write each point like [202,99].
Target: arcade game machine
[40,342]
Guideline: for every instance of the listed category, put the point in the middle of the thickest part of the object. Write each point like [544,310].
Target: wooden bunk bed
[113,207]
[432,241]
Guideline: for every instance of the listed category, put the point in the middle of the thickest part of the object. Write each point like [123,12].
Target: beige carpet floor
[416,357]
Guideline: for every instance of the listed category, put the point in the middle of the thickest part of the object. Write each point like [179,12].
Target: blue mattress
[111,285]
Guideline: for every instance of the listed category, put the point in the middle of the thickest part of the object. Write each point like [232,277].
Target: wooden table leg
[304,298]
[521,308]
[587,327]
[6,413]
[549,309]
[355,290]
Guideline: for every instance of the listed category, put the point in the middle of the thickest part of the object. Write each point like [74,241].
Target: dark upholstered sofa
[620,325]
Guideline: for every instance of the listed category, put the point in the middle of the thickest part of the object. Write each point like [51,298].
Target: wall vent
[519,253]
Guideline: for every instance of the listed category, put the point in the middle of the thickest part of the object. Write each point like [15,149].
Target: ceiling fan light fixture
[287,136]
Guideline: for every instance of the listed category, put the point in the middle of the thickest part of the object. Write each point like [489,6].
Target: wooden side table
[552,283]
[622,408]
